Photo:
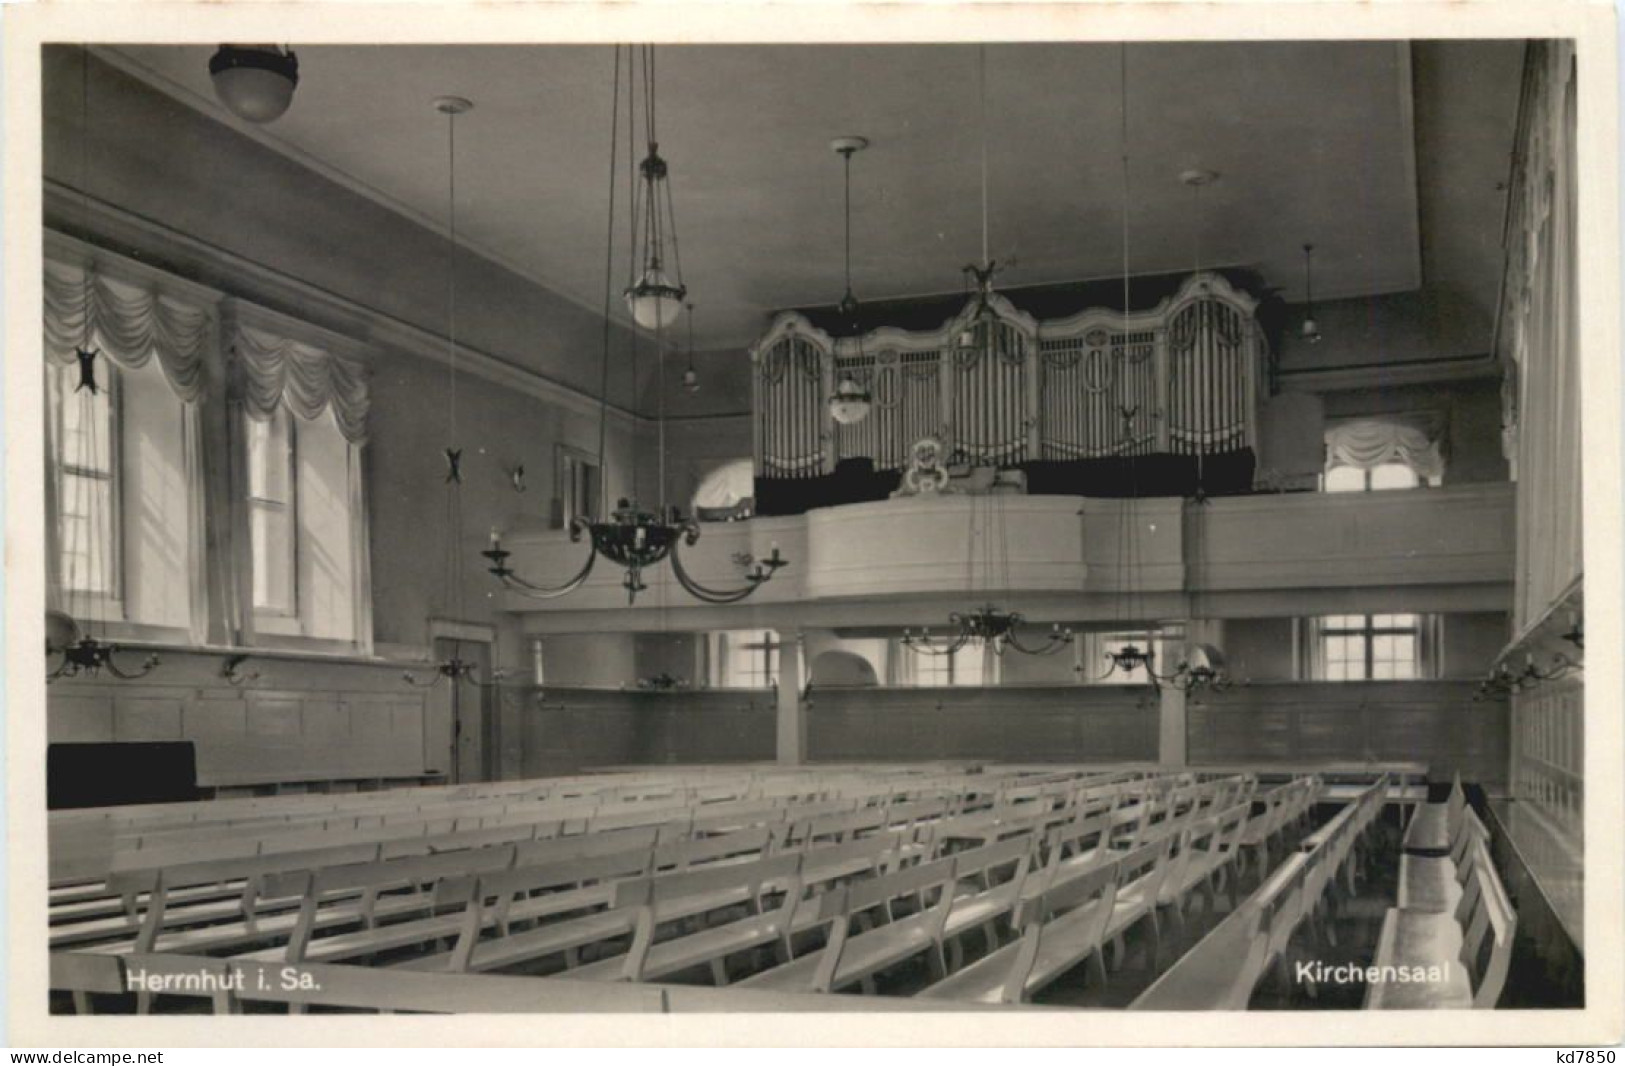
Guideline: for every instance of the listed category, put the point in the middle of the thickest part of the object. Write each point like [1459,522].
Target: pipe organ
[1181,380]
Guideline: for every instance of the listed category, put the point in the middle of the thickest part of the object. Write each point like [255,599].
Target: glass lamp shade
[691,380]
[1310,331]
[654,301]
[255,82]
[61,631]
[850,402]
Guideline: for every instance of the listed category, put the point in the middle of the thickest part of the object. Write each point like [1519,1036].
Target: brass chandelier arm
[1052,644]
[759,574]
[530,590]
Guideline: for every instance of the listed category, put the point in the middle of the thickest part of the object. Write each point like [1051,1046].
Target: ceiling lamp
[1309,331]
[256,81]
[630,537]
[454,668]
[691,377]
[850,403]
[655,298]
[987,625]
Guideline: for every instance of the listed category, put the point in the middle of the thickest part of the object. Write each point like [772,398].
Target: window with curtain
[1373,647]
[1376,454]
[124,489]
[301,409]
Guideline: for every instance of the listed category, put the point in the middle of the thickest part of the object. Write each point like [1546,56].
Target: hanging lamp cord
[609,285]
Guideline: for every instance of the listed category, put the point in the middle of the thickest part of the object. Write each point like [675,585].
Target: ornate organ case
[1182,379]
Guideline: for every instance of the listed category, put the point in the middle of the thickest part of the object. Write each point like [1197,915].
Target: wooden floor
[913,887]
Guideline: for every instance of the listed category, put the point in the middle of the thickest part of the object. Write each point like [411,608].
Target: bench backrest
[386,873]
[1488,923]
[666,892]
[503,884]
[856,897]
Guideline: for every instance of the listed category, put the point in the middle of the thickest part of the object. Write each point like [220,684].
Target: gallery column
[791,730]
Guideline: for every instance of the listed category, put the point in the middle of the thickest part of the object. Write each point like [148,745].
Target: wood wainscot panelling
[1073,723]
[1354,539]
[565,730]
[296,722]
[1432,722]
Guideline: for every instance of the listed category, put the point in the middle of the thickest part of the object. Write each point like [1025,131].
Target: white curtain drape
[127,323]
[268,370]
[1368,443]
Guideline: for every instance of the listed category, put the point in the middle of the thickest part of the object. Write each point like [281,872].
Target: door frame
[485,718]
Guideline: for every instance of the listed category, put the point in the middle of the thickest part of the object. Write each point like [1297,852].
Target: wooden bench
[1225,967]
[1434,825]
[899,916]
[1461,957]
[1067,925]
[1436,882]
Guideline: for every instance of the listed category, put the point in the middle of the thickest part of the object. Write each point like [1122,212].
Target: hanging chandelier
[980,334]
[986,626]
[82,653]
[1203,667]
[850,402]
[656,297]
[631,537]
[453,668]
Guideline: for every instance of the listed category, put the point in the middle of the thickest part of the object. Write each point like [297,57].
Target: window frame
[104,604]
[291,511]
[952,669]
[723,647]
[1365,479]
[566,457]
[1423,631]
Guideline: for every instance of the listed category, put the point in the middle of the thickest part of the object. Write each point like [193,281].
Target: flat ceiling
[1314,141]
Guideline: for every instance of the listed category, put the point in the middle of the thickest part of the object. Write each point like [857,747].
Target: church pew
[586,880]
[567,937]
[847,958]
[1067,925]
[1434,825]
[1469,949]
[1283,805]
[1435,882]
[1205,852]
[1222,970]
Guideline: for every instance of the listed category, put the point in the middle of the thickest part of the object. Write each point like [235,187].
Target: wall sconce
[516,477]
[235,675]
